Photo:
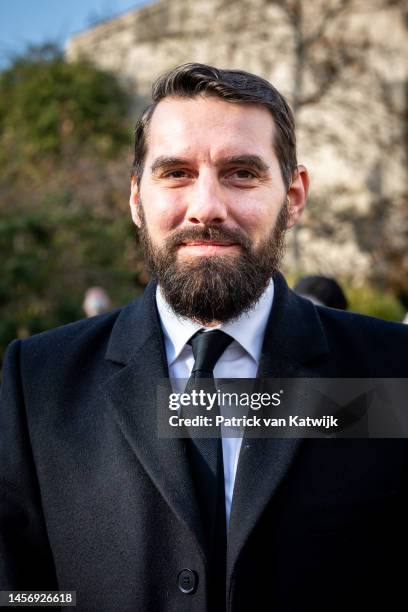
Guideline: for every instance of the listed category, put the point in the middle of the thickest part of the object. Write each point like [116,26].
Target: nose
[206,200]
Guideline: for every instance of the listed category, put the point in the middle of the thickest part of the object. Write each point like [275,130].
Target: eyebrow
[252,161]
[163,162]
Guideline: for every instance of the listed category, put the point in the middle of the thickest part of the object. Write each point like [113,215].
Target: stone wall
[352,139]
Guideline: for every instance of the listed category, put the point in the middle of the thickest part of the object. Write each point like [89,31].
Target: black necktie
[205,455]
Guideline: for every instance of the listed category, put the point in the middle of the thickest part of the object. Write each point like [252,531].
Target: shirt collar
[248,329]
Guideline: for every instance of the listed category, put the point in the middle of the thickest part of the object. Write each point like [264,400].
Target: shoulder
[71,336]
[361,339]
[360,326]
[340,343]
[80,342]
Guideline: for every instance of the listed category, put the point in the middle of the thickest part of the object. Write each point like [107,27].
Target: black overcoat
[92,500]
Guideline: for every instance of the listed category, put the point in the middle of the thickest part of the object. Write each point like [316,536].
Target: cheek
[256,218]
[162,212]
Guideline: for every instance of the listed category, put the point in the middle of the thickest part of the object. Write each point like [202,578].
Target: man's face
[214,206]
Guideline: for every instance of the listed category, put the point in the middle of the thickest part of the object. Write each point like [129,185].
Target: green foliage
[53,256]
[48,105]
[65,134]
[375,303]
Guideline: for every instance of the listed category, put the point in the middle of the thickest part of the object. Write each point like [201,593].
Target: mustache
[210,233]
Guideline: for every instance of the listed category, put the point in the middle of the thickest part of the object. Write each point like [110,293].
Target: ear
[297,195]
[134,202]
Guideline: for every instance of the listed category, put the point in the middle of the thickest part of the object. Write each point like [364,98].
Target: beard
[216,288]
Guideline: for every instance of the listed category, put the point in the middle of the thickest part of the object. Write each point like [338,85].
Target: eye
[244,174]
[175,174]
[241,175]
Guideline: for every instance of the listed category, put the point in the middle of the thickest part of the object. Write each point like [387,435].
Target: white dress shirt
[239,360]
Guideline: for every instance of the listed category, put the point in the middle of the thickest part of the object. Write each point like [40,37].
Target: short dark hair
[326,290]
[235,86]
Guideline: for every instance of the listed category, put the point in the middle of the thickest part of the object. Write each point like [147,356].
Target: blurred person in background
[322,291]
[96,301]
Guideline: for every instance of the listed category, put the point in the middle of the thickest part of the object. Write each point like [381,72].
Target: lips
[209,243]
[207,247]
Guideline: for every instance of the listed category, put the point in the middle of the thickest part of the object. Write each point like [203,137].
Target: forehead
[209,126]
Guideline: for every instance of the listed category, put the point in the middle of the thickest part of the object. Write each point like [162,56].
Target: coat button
[187,581]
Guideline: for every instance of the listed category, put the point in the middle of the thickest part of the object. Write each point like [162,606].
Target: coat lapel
[294,336]
[137,343]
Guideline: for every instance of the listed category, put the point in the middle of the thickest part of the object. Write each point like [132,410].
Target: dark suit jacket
[92,500]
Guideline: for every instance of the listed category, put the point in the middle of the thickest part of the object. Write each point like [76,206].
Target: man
[93,500]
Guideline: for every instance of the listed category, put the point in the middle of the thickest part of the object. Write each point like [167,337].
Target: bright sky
[24,22]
